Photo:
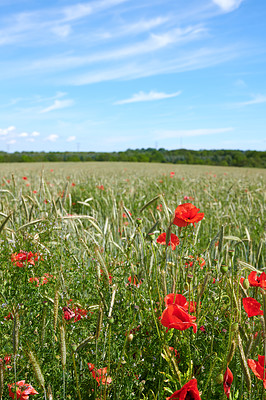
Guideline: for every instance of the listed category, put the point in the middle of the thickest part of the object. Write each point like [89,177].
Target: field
[84,284]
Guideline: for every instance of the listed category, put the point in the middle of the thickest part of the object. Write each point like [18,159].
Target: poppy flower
[100,375]
[134,282]
[172,174]
[176,317]
[25,178]
[186,214]
[68,313]
[159,207]
[181,301]
[188,391]
[199,261]
[174,241]
[101,187]
[35,279]
[252,306]
[258,368]
[255,280]
[228,379]
[21,390]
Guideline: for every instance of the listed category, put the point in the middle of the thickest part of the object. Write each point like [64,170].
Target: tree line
[236,158]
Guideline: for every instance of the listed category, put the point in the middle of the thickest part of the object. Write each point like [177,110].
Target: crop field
[94,305]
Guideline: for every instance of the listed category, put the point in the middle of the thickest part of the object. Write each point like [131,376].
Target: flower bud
[219,379]
[224,269]
[139,221]
[246,284]
[234,327]
[130,337]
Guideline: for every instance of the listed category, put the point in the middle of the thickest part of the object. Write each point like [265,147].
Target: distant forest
[236,158]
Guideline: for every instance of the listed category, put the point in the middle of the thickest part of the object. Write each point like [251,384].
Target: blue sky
[107,75]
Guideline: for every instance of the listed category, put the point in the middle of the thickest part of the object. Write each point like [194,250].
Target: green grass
[83,234]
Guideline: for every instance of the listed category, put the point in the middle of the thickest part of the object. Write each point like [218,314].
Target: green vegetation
[235,158]
[89,292]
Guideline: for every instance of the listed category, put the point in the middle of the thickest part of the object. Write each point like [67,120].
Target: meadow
[94,305]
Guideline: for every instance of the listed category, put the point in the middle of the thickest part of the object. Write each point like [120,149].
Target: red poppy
[188,198]
[135,282]
[255,280]
[68,313]
[100,375]
[159,207]
[25,178]
[252,306]
[8,316]
[172,174]
[73,184]
[181,301]
[35,279]
[176,317]
[228,379]
[258,368]
[187,214]
[101,187]
[199,261]
[177,355]
[21,390]
[188,391]
[174,241]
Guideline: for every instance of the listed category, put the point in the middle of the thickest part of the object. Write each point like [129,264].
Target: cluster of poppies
[253,308]
[100,375]
[74,312]
[23,258]
[185,214]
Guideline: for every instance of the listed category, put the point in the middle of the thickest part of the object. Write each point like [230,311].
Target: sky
[108,75]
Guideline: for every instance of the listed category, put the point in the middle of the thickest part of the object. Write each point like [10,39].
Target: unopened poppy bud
[130,337]
[219,379]
[151,236]
[234,327]
[139,221]
[224,269]
[111,320]
[246,284]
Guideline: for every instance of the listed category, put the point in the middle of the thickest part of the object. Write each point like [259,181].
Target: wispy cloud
[57,105]
[188,60]
[228,5]
[23,134]
[71,139]
[171,134]
[151,96]
[35,134]
[52,138]
[256,99]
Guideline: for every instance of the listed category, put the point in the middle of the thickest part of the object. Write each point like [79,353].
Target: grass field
[84,283]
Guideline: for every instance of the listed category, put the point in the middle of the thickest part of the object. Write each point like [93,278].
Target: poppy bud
[224,269]
[111,320]
[130,337]
[219,379]
[246,284]
[234,327]
[151,236]
[139,221]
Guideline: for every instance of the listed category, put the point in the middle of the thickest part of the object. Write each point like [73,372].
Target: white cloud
[23,134]
[168,134]
[71,138]
[57,105]
[257,99]
[228,5]
[52,138]
[4,132]
[151,96]
[13,141]
[35,133]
